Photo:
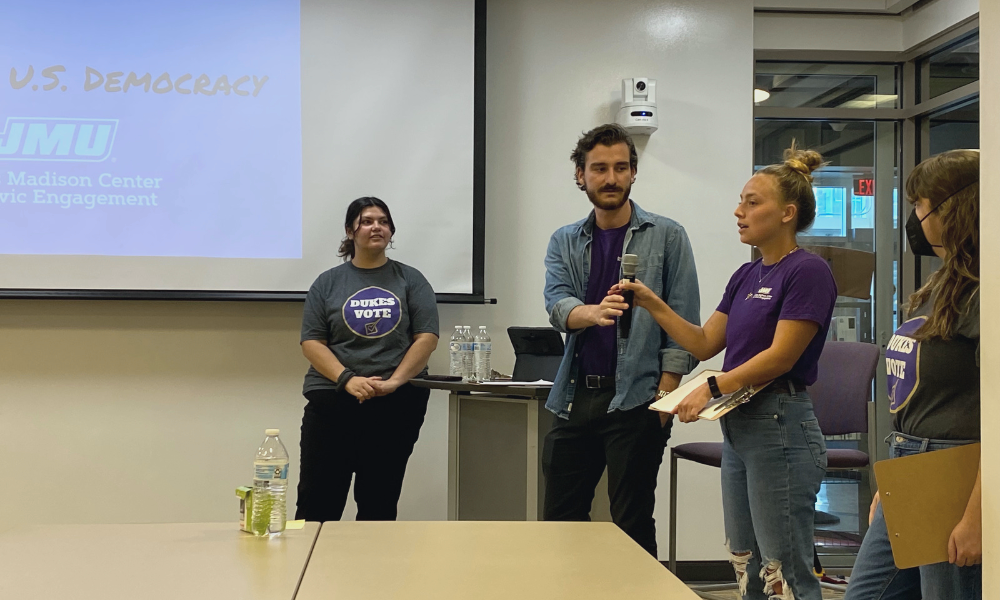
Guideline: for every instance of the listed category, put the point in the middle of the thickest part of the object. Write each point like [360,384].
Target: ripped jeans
[773,461]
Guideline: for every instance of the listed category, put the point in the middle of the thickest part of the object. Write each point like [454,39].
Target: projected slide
[168,128]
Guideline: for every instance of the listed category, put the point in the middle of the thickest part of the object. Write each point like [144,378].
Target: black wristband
[713,386]
[345,376]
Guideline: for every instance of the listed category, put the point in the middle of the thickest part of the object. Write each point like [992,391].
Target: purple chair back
[840,395]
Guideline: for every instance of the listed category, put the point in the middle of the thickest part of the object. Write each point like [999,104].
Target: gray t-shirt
[934,384]
[367,317]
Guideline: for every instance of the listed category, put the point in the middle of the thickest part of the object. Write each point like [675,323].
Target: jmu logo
[57,139]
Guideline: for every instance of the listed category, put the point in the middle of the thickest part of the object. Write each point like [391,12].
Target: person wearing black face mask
[915,235]
[933,377]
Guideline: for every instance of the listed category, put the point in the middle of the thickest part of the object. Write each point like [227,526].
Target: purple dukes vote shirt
[800,287]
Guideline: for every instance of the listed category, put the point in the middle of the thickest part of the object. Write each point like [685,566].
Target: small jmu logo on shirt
[763,293]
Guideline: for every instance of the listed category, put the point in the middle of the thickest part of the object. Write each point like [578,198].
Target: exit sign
[864,187]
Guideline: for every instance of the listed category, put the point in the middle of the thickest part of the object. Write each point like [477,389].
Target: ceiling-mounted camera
[638,112]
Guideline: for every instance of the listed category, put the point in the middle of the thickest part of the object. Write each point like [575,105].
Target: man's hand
[668,383]
[871,511]
[601,315]
[642,296]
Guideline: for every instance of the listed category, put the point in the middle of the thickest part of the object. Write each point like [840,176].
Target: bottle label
[456,346]
[267,472]
[467,346]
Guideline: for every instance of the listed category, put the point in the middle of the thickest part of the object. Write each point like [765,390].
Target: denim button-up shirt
[666,266]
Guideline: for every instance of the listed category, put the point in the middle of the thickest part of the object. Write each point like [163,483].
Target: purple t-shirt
[800,287]
[597,346]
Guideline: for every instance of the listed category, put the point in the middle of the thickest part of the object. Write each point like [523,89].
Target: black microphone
[630,264]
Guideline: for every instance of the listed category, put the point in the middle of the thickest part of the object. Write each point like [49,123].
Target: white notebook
[715,407]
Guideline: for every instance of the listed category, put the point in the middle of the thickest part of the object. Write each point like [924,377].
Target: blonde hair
[794,181]
[952,176]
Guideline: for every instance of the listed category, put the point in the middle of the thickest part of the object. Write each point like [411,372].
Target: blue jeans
[875,576]
[773,461]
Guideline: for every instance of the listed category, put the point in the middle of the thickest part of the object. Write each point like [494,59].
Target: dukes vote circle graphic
[372,312]
[902,362]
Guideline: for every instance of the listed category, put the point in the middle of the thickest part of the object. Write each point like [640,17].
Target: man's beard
[608,203]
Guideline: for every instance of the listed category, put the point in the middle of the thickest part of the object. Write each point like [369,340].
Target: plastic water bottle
[483,348]
[468,355]
[457,367]
[270,482]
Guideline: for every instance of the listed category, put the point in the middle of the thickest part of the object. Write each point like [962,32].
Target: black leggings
[373,439]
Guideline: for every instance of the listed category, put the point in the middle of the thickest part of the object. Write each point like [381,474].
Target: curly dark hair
[605,135]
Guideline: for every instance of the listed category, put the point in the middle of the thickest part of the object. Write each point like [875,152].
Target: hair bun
[803,161]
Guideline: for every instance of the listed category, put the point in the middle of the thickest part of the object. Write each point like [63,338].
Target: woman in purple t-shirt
[772,322]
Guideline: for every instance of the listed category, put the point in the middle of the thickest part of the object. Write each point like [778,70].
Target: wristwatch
[661,394]
[713,386]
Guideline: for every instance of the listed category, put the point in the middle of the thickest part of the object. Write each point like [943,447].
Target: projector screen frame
[477,296]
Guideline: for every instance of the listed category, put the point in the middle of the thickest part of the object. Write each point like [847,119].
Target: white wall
[934,17]
[141,412]
[804,31]
[989,131]
[876,32]
[825,5]
[130,412]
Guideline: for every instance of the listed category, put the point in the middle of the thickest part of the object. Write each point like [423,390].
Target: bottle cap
[458,326]
[482,326]
[270,432]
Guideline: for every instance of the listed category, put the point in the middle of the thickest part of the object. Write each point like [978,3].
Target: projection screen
[191,149]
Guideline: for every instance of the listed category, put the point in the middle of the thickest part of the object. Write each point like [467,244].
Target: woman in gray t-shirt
[932,363]
[368,327]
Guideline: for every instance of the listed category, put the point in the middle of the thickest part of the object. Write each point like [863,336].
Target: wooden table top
[460,560]
[151,562]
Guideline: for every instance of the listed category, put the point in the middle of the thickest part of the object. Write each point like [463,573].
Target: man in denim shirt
[605,383]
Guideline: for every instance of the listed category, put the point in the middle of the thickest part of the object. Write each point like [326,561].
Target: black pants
[373,440]
[630,443]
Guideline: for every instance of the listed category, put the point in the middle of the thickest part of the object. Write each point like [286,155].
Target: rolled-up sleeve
[680,291]
[560,297]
